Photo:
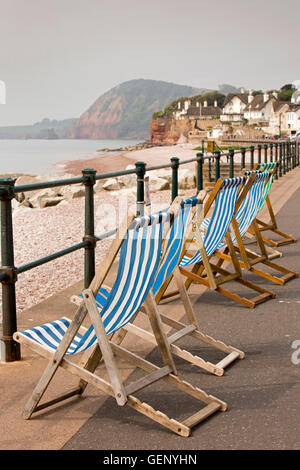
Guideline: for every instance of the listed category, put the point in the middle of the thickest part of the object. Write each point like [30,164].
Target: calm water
[39,156]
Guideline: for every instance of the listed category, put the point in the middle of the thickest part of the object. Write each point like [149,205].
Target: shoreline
[115,160]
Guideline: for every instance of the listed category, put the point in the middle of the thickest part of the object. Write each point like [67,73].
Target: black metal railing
[285,152]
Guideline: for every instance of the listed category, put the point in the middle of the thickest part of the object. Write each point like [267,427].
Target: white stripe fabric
[220,219]
[139,259]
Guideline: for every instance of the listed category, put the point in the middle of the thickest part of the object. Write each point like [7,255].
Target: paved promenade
[262,390]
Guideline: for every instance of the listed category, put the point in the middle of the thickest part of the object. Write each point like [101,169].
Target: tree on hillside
[286,92]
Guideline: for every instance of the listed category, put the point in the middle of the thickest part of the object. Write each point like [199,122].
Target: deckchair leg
[54,363]
[113,372]
[233,353]
[273,227]
[193,330]
[183,428]
[159,334]
[254,260]
[287,239]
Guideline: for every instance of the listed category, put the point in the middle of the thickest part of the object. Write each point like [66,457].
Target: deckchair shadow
[139,242]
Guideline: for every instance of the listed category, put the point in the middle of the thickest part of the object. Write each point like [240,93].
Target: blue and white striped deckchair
[216,235]
[140,252]
[243,221]
[271,225]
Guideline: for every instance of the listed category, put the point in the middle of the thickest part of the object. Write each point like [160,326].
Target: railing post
[217,164]
[209,169]
[175,166]
[203,146]
[231,163]
[259,147]
[252,157]
[283,158]
[9,349]
[293,155]
[89,226]
[243,153]
[265,153]
[140,194]
[288,156]
[276,159]
[280,159]
[271,151]
[199,171]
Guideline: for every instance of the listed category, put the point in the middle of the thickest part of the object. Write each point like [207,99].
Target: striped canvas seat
[266,167]
[217,225]
[249,206]
[251,203]
[139,259]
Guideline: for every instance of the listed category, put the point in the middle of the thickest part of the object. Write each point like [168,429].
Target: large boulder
[72,191]
[164,173]
[112,184]
[158,184]
[128,181]
[50,201]
[186,179]
[36,199]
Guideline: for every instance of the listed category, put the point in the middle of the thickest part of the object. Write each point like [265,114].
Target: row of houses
[263,110]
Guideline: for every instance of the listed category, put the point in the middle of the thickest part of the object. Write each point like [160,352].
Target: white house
[233,108]
[259,107]
[292,118]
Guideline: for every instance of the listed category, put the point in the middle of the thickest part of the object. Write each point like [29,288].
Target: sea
[45,157]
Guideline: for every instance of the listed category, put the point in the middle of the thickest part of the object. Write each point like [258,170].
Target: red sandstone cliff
[169,130]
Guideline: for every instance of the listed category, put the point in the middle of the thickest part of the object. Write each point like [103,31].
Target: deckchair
[217,229]
[168,267]
[243,220]
[139,243]
[272,225]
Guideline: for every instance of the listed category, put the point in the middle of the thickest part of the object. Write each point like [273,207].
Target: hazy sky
[58,56]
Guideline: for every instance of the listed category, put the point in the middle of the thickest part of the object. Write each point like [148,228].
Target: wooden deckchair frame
[213,275]
[107,350]
[249,259]
[272,225]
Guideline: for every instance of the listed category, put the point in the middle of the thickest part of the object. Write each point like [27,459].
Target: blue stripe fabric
[218,224]
[139,259]
[172,252]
